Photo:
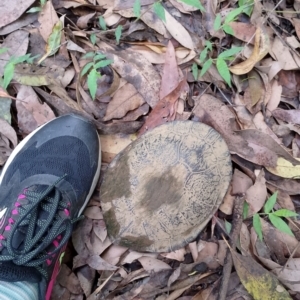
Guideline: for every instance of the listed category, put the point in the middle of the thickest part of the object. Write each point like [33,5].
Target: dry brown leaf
[47,19]
[257,280]
[261,49]
[111,145]
[165,110]
[126,99]
[275,96]
[208,252]
[99,229]
[240,182]
[243,31]
[21,22]
[137,70]
[177,254]
[213,112]
[12,10]
[228,202]
[170,76]
[113,254]
[256,87]
[68,279]
[178,32]
[290,116]
[279,243]
[83,21]
[31,113]
[283,54]
[86,276]
[134,255]
[97,263]
[17,44]
[245,240]
[93,212]
[153,264]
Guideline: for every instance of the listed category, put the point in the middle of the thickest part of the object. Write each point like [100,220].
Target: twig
[235,231]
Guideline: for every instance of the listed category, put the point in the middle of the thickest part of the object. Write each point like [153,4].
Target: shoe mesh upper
[59,156]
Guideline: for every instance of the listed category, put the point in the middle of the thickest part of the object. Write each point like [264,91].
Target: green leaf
[43,2]
[203,54]
[86,68]
[137,8]
[118,33]
[257,226]
[230,52]
[8,74]
[195,71]
[102,63]
[99,56]
[280,224]
[2,50]
[228,227]
[270,203]
[227,28]
[285,213]
[34,10]
[88,55]
[159,11]
[208,45]
[223,70]
[194,3]
[92,82]
[217,22]
[102,23]
[19,59]
[206,66]
[245,210]
[233,14]
[93,38]
[248,6]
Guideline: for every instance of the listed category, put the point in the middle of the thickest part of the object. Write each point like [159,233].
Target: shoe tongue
[11,272]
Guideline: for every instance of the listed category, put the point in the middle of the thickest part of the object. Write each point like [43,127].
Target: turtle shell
[161,190]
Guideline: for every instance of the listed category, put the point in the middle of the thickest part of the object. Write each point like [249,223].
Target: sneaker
[44,187]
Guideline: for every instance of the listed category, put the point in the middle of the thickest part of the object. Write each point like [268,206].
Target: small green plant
[245,6]
[159,9]
[9,68]
[91,70]
[102,23]
[220,62]
[275,217]
[118,33]
[37,8]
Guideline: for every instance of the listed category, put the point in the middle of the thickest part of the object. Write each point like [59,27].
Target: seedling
[91,70]
[220,62]
[275,217]
[159,9]
[37,8]
[9,68]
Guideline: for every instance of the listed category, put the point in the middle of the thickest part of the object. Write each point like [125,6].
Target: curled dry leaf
[261,49]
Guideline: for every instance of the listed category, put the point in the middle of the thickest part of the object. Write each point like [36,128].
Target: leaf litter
[233,65]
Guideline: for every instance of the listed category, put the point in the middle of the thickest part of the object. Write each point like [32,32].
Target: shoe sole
[27,138]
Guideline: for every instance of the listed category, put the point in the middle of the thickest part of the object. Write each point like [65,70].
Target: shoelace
[34,253]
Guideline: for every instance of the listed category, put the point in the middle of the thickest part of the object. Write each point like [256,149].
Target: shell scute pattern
[177,176]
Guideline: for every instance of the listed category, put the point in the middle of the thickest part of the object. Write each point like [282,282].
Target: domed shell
[161,191]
